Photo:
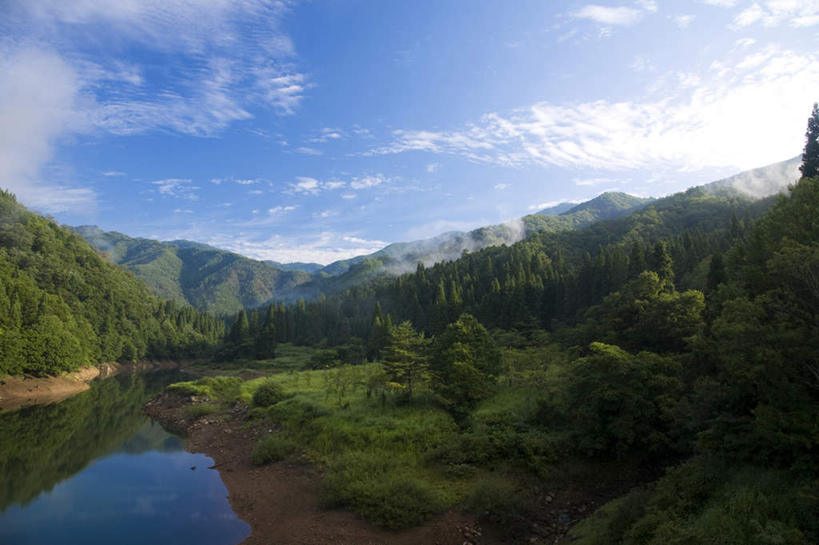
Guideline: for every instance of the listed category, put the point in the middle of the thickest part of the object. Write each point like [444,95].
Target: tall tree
[810,156]
[403,358]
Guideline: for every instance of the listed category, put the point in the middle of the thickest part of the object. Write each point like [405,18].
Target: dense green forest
[62,306]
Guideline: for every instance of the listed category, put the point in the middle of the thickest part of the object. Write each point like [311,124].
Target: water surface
[93,469]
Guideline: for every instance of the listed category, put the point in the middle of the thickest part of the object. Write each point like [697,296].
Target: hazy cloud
[713,120]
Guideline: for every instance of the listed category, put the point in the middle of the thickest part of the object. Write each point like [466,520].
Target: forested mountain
[207,278]
[216,280]
[550,276]
[63,306]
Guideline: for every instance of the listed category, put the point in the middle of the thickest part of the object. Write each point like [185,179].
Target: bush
[272,448]
[496,499]
[226,389]
[267,394]
[381,488]
[199,410]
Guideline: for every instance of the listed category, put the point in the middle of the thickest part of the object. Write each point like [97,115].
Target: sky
[319,130]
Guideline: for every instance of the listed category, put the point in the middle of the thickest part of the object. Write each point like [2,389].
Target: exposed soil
[17,392]
[280,501]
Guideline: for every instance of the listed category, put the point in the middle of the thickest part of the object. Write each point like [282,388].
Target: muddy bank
[17,392]
[280,501]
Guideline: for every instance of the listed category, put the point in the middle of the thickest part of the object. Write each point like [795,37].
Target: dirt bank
[17,392]
[281,501]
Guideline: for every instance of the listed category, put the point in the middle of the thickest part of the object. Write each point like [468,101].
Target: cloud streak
[741,113]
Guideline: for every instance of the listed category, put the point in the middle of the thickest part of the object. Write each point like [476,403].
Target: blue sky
[314,131]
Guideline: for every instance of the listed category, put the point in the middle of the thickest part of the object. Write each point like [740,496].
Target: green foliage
[699,502]
[382,488]
[465,362]
[199,410]
[496,499]
[226,389]
[62,306]
[615,402]
[272,448]
[268,393]
[810,156]
[403,358]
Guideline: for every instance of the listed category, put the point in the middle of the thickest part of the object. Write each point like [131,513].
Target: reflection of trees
[41,446]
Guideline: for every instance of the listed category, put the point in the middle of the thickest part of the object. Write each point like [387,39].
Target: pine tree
[810,157]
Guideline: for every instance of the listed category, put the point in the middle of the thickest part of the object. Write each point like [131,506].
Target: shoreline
[19,392]
[280,501]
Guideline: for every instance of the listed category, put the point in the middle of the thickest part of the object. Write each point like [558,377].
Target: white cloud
[308,150]
[734,117]
[796,13]
[113,173]
[327,133]
[432,168]
[366,182]
[39,92]
[501,187]
[246,182]
[620,16]
[683,21]
[323,248]
[720,3]
[226,56]
[334,185]
[177,187]
[280,210]
[305,185]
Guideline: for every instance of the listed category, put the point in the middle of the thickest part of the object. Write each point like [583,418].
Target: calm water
[93,469]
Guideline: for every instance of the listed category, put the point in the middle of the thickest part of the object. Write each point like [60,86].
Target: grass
[394,462]
[272,448]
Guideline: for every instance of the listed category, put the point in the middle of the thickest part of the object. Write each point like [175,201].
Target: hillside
[207,278]
[62,306]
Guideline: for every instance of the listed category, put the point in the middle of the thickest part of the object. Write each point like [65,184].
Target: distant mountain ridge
[212,279]
[205,277]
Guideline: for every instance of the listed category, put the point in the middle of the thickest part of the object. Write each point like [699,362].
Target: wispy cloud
[177,187]
[716,123]
[796,13]
[366,182]
[606,15]
[324,247]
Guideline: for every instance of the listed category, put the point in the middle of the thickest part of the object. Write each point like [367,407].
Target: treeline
[63,306]
[541,282]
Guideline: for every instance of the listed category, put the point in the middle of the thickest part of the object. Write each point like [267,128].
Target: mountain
[224,282]
[557,209]
[207,278]
[62,306]
[763,181]
[296,266]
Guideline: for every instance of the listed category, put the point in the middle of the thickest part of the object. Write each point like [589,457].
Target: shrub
[268,393]
[225,389]
[381,488]
[496,499]
[272,448]
[199,410]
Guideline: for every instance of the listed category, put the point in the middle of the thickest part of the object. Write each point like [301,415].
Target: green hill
[62,306]
[207,278]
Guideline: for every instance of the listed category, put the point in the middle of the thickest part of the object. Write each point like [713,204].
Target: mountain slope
[205,277]
[62,306]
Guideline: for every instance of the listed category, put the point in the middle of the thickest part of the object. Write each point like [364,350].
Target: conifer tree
[810,156]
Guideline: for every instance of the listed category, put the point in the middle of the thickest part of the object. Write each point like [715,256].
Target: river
[94,469]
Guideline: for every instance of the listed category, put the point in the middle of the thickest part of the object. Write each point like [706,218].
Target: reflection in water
[94,469]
